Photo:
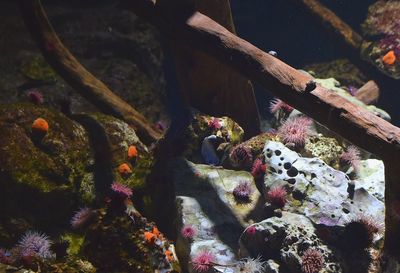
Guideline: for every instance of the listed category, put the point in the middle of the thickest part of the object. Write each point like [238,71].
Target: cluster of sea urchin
[312,261]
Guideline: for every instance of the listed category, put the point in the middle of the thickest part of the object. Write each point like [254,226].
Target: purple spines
[215,124]
[81,217]
[36,244]
[203,261]
[277,104]
[242,192]
[312,261]
[35,96]
[6,257]
[241,157]
[188,231]
[121,190]
[258,170]
[351,156]
[277,196]
[295,130]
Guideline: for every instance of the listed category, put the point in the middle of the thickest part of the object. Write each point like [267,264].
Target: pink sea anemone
[215,124]
[312,261]
[351,156]
[121,190]
[277,196]
[203,261]
[258,169]
[81,217]
[277,104]
[242,192]
[188,231]
[241,157]
[295,130]
[35,96]
[251,230]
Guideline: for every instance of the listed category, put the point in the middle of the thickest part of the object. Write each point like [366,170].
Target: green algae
[36,68]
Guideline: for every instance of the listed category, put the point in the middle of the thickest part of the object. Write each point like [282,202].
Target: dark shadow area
[102,167]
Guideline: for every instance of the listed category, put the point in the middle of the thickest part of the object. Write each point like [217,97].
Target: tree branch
[357,125]
[64,63]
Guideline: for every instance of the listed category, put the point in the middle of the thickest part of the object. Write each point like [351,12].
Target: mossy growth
[119,137]
[40,175]
[36,68]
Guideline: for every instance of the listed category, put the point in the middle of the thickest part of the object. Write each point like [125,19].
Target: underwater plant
[121,190]
[242,192]
[188,231]
[203,261]
[250,265]
[81,217]
[277,196]
[312,261]
[37,244]
[295,130]
[241,157]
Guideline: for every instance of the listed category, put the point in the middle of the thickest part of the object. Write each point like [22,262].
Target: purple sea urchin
[359,232]
[277,196]
[277,104]
[203,261]
[81,217]
[242,192]
[312,261]
[258,169]
[295,130]
[35,243]
[241,157]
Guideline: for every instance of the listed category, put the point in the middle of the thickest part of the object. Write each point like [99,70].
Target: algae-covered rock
[325,148]
[120,136]
[115,243]
[40,176]
[36,68]
[286,239]
[342,70]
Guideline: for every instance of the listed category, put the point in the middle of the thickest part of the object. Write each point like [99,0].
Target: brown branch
[69,68]
[368,93]
[357,125]
[333,22]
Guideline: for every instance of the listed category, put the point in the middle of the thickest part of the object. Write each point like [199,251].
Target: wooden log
[357,125]
[208,84]
[69,68]
[333,22]
[368,93]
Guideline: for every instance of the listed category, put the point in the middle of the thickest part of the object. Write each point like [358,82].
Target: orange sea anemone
[389,58]
[124,169]
[169,255]
[156,232]
[149,237]
[40,125]
[132,152]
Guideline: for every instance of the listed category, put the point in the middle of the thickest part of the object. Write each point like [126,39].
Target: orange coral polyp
[169,255]
[124,169]
[40,125]
[389,58]
[132,152]
[156,232]
[149,237]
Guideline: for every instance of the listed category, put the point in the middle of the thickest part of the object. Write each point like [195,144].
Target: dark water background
[300,39]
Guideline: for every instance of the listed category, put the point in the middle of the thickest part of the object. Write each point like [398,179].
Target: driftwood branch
[333,22]
[357,125]
[69,68]
[368,93]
